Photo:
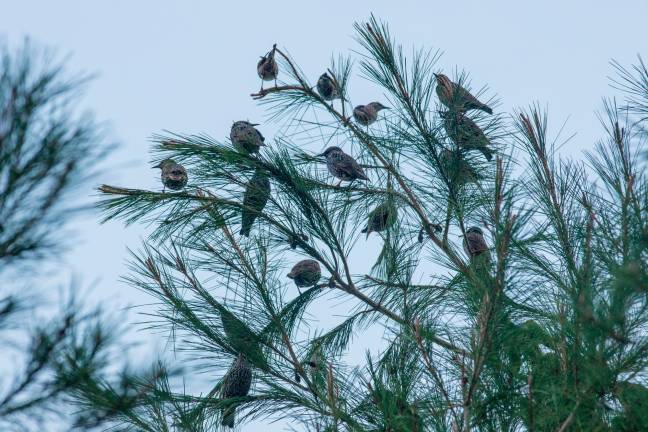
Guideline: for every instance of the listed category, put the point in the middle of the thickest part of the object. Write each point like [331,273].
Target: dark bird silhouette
[367,114]
[457,168]
[327,88]
[381,218]
[255,198]
[465,133]
[343,166]
[236,384]
[457,98]
[306,273]
[267,67]
[245,137]
[173,175]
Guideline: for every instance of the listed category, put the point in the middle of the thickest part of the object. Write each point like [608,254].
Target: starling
[305,273]
[343,166]
[456,97]
[267,67]
[465,133]
[381,218]
[327,88]
[255,198]
[236,384]
[474,244]
[367,114]
[245,137]
[458,170]
[173,176]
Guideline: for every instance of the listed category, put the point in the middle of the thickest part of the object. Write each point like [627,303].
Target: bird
[255,198]
[236,384]
[245,137]
[367,114]
[328,88]
[267,67]
[457,169]
[455,96]
[474,244]
[465,133]
[381,218]
[174,176]
[305,273]
[343,166]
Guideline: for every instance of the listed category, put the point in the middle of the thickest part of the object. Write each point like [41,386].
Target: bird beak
[255,124]
[435,75]
[158,165]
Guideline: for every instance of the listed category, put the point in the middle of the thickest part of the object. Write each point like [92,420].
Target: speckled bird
[343,166]
[327,88]
[245,137]
[456,97]
[381,218]
[267,67]
[367,114]
[306,273]
[174,176]
[465,133]
[474,244]
[255,198]
[236,383]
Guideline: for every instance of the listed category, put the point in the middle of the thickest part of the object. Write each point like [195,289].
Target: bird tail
[228,417]
[488,153]
[245,231]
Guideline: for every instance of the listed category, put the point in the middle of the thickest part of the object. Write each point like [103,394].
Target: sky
[190,67]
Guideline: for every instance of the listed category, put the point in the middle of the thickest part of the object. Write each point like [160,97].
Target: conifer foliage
[511,283]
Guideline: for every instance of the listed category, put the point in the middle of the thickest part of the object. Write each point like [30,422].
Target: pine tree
[46,153]
[544,331]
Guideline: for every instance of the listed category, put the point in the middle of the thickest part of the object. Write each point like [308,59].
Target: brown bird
[456,97]
[245,137]
[173,175]
[236,384]
[381,218]
[367,114]
[465,133]
[474,244]
[306,273]
[327,88]
[343,166]
[267,67]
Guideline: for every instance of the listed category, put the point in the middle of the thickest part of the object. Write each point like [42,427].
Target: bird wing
[352,167]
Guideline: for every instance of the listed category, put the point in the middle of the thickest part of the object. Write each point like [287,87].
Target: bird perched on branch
[255,198]
[456,97]
[327,87]
[367,114]
[174,176]
[343,166]
[465,133]
[245,137]
[381,218]
[236,384]
[458,169]
[267,67]
[474,244]
[306,273]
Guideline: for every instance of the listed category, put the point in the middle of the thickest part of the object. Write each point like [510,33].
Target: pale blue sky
[190,66]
